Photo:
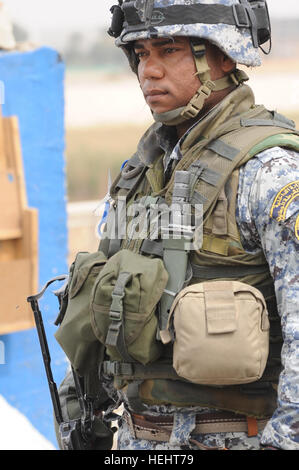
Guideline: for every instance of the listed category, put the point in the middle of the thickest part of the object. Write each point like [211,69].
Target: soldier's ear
[218,60]
[228,65]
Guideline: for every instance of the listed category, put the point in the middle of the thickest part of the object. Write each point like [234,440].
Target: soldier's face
[166,72]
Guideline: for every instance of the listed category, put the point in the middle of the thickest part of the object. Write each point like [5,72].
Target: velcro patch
[283,199]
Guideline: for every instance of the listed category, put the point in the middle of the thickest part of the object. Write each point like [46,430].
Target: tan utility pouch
[221,333]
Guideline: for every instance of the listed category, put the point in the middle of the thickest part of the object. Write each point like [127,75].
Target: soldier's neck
[214,99]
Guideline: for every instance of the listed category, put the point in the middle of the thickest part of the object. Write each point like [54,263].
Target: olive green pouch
[75,334]
[123,306]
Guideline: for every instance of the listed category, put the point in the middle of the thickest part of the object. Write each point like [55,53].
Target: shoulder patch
[283,199]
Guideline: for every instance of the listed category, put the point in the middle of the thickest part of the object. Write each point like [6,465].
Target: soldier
[209,146]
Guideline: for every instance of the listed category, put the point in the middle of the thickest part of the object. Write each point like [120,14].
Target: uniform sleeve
[268,217]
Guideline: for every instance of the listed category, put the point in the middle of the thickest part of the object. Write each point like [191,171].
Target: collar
[160,138]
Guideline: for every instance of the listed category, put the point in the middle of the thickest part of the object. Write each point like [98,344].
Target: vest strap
[175,250]
[115,336]
[223,149]
[137,372]
[266,122]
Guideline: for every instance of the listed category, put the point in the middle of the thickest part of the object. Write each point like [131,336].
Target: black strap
[158,370]
[140,372]
[231,272]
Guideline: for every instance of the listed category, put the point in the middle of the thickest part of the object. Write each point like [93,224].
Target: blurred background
[104,116]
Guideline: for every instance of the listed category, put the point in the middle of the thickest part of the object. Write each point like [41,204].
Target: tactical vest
[234,132]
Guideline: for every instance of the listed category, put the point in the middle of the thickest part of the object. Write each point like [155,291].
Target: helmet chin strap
[195,105]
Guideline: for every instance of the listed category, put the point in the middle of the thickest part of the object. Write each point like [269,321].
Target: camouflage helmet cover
[237,27]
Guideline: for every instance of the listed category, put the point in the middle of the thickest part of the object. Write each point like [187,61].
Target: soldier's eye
[170,50]
[140,54]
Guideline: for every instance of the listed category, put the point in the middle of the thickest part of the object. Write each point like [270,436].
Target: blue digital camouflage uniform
[268,219]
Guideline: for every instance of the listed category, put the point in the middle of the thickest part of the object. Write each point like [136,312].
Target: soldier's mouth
[155,95]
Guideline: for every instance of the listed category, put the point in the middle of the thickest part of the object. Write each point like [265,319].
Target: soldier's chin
[161,109]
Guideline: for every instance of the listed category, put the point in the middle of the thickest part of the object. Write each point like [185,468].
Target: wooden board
[19,276]
[18,235]
[10,209]
[12,185]
[15,287]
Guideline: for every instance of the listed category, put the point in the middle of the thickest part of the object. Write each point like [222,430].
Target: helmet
[237,27]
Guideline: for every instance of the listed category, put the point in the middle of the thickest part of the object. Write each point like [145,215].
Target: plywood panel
[18,235]
[12,182]
[13,155]
[30,244]
[15,287]
[10,208]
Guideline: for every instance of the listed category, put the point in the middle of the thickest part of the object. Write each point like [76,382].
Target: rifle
[74,434]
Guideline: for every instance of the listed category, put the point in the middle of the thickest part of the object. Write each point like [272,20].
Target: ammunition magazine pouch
[123,306]
[75,334]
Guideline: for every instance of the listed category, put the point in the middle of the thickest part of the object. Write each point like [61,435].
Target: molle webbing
[124,186]
[213,158]
[218,157]
[228,155]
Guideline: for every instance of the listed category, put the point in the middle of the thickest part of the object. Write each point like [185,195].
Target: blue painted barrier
[34,92]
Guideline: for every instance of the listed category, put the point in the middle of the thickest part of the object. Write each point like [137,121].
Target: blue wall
[34,91]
